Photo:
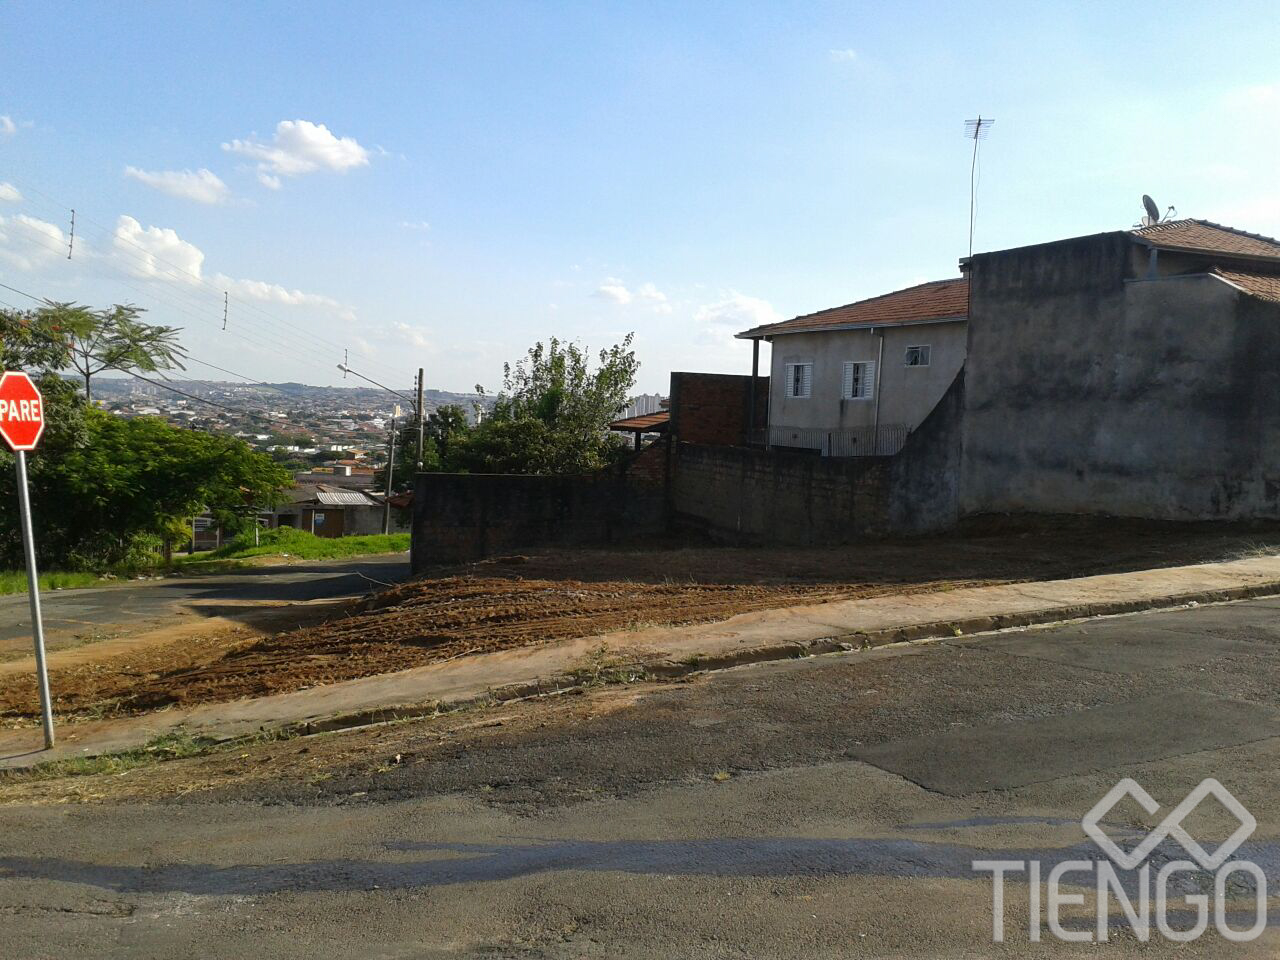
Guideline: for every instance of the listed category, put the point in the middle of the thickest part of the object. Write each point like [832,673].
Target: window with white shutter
[799,381]
[859,381]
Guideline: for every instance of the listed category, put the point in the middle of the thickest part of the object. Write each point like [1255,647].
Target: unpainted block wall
[728,493]
[464,517]
[714,408]
[743,495]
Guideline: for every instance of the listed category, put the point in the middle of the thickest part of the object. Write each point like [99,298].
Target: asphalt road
[830,807]
[69,613]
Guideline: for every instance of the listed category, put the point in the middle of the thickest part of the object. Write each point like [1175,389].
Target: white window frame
[865,371]
[925,351]
[806,380]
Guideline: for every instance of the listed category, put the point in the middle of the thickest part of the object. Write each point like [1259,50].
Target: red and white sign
[21,411]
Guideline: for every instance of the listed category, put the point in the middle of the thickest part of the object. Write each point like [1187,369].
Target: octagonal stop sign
[21,411]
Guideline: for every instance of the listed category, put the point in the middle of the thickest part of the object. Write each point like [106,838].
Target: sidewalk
[670,651]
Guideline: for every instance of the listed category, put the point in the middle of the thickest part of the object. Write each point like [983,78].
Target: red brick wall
[712,408]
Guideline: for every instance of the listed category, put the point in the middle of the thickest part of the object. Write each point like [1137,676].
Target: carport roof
[934,302]
[645,423]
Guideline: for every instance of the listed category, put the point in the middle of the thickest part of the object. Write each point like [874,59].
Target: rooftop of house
[331,495]
[1203,236]
[1264,286]
[934,302]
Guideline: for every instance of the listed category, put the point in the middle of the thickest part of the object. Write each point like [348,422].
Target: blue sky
[442,184]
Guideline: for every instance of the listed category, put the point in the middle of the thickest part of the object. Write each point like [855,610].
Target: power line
[245,377]
[158,383]
[264,340]
[152,257]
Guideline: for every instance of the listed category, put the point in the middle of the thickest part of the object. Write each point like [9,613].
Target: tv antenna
[975,130]
[1153,215]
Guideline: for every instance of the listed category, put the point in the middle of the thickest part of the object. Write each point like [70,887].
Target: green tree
[116,339]
[35,341]
[141,480]
[552,414]
[104,488]
[446,426]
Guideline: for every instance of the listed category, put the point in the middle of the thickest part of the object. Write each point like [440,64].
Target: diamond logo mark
[1128,787]
[1170,826]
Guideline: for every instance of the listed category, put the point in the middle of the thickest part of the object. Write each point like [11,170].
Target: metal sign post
[33,590]
[21,424]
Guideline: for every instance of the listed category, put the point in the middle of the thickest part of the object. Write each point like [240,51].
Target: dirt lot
[521,601]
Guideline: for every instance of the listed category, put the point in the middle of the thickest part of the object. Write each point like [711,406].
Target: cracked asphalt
[826,807]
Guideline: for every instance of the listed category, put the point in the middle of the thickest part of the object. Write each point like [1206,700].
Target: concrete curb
[836,643]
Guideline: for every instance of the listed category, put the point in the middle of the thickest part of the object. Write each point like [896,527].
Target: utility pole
[421,421]
[391,469]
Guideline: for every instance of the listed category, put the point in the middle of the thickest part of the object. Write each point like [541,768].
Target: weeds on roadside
[601,666]
[1253,550]
[169,746]
[176,745]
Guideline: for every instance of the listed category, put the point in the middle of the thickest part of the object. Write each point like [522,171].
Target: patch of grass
[286,541]
[15,581]
[1253,550]
[176,745]
[601,666]
[169,746]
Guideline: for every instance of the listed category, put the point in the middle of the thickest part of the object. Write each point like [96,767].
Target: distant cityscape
[305,426]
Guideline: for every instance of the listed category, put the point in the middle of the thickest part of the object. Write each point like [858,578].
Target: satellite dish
[1152,210]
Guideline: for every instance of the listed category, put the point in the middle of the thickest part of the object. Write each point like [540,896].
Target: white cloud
[299,147]
[157,252]
[615,290]
[202,186]
[415,224]
[413,336]
[718,322]
[27,243]
[9,193]
[7,126]
[843,56]
[273,293]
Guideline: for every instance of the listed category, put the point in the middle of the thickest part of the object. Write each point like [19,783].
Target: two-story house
[855,380]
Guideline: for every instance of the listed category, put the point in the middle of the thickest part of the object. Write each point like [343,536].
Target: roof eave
[1212,254]
[780,329]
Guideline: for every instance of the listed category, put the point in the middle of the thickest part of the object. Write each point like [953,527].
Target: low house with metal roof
[329,510]
[856,380]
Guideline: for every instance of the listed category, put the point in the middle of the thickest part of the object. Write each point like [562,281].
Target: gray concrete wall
[907,394]
[1091,391]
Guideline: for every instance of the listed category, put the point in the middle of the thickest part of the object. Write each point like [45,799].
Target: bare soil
[528,600]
